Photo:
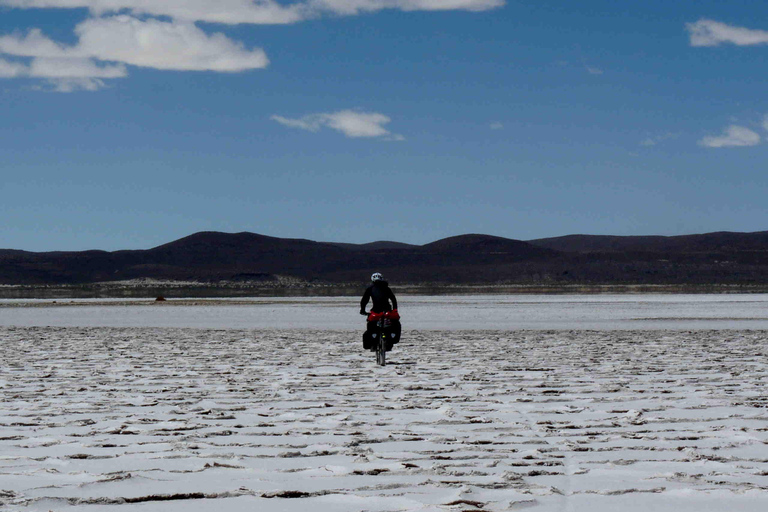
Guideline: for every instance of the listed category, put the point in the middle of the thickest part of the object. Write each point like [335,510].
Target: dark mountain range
[377,246]
[211,257]
[720,242]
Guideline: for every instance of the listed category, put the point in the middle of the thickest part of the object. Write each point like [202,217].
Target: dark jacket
[381,294]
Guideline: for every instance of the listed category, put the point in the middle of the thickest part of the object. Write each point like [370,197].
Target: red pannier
[389,315]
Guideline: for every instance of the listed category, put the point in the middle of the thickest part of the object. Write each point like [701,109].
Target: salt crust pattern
[173,419]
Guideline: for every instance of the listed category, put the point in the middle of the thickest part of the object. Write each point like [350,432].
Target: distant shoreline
[186,290]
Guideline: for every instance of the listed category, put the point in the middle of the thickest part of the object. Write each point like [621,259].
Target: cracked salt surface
[276,419]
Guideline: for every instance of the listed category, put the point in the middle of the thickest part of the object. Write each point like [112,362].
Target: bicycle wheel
[381,350]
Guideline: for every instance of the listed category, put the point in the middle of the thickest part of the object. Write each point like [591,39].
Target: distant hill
[470,245]
[212,255]
[720,242]
[474,259]
[377,246]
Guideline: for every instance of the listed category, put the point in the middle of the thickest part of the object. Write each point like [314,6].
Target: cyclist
[381,294]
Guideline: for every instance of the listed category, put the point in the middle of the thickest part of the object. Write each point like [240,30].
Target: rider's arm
[365,299]
[393,299]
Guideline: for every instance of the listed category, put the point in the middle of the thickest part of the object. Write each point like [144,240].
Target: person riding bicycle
[381,294]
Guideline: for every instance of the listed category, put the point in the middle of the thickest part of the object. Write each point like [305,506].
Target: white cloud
[128,32]
[765,122]
[594,71]
[34,44]
[73,68]
[75,84]
[11,69]
[713,33]
[151,43]
[164,45]
[251,11]
[444,5]
[352,123]
[218,11]
[496,126]
[122,40]
[63,74]
[358,124]
[69,75]
[734,136]
[351,7]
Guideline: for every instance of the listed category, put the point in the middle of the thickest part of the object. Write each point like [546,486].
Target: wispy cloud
[259,12]
[581,66]
[733,136]
[656,139]
[352,123]
[713,33]
[69,75]
[64,74]
[497,126]
[73,68]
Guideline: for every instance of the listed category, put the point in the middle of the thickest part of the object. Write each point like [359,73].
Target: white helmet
[377,277]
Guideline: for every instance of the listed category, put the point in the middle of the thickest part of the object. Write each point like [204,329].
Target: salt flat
[476,312]
[168,418]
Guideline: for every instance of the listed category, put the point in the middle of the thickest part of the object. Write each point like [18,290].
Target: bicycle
[384,334]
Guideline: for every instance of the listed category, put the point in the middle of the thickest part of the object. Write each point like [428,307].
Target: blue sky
[125,124]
